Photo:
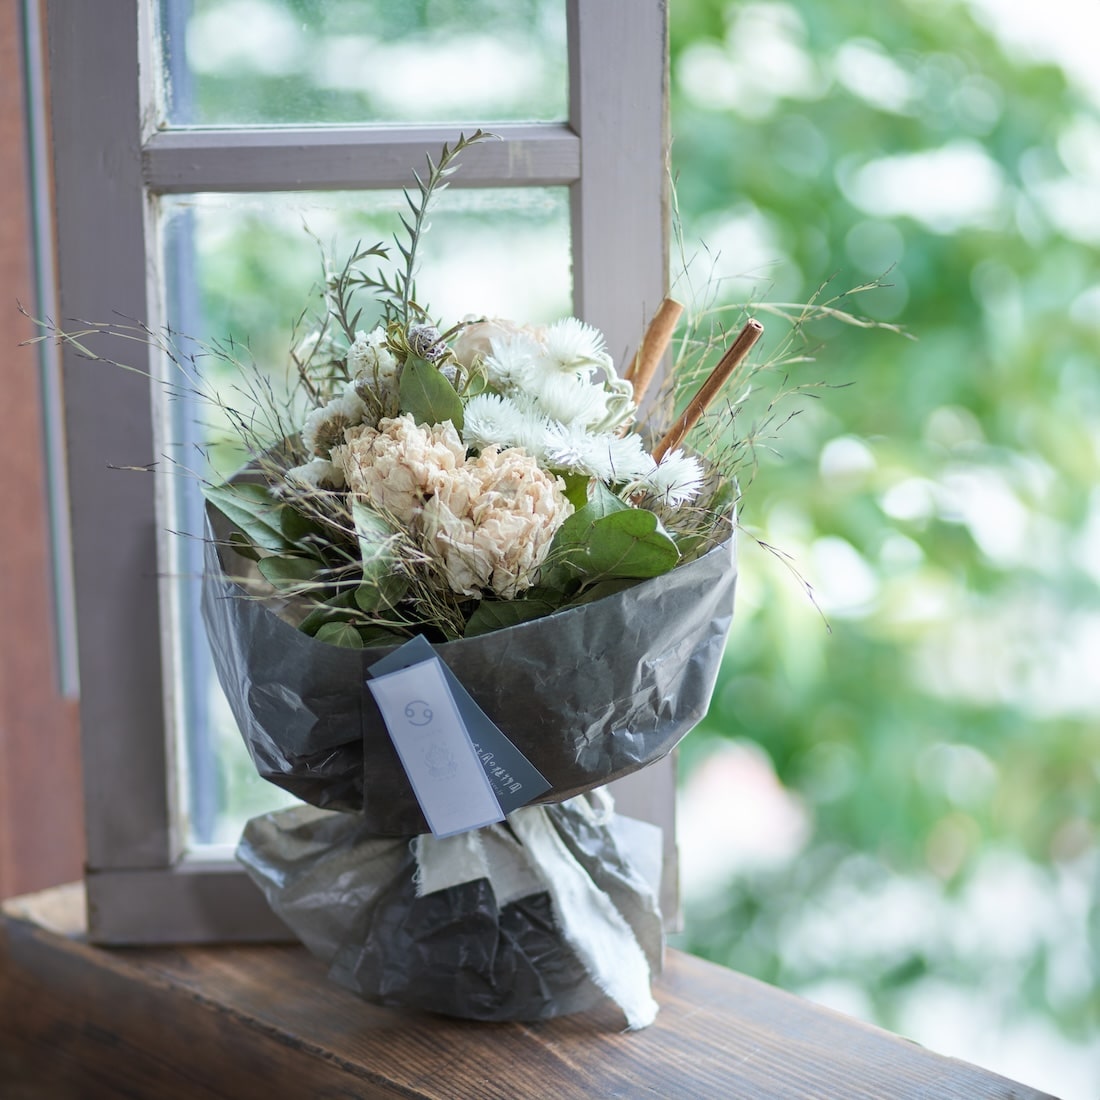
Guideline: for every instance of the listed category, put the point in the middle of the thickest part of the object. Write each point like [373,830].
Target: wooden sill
[263,1021]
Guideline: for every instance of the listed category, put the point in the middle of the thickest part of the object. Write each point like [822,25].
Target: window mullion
[350,158]
[618,106]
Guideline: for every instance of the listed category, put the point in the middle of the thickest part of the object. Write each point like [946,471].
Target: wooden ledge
[263,1021]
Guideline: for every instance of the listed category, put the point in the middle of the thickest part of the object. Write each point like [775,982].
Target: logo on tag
[435,749]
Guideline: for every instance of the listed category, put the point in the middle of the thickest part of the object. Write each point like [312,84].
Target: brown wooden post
[41,813]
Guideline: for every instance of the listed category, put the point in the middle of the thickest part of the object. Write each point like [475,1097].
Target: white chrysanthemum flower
[491,522]
[571,345]
[491,420]
[399,464]
[629,458]
[610,458]
[567,398]
[676,480]
[316,474]
[324,427]
[511,358]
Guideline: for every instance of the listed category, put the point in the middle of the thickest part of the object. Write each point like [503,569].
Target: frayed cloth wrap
[587,695]
[555,917]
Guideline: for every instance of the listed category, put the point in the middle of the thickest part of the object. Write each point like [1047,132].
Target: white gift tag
[435,749]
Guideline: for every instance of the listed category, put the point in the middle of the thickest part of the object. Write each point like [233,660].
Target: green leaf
[243,546]
[376,541]
[338,609]
[426,394]
[576,489]
[574,535]
[629,544]
[294,525]
[608,539]
[493,615]
[289,573]
[343,634]
[381,593]
[380,636]
[253,510]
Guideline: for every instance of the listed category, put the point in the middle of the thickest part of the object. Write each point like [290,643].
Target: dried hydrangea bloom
[325,427]
[491,523]
[397,465]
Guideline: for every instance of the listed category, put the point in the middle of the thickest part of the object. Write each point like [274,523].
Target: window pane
[273,62]
[245,267]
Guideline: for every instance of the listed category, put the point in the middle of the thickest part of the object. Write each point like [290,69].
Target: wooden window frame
[111,162]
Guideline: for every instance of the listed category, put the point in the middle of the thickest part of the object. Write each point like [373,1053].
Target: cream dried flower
[399,464]
[491,523]
[372,366]
[316,474]
[324,427]
[475,340]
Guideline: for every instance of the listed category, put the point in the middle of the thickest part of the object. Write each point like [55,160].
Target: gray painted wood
[102,274]
[352,158]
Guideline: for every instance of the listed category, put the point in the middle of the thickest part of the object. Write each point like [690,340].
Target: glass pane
[283,62]
[245,267]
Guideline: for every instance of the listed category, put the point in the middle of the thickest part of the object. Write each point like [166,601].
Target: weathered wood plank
[263,1021]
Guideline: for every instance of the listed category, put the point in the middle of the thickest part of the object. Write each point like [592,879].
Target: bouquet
[460,587]
[469,575]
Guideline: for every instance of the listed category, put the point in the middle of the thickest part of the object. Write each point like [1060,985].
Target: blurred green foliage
[946,505]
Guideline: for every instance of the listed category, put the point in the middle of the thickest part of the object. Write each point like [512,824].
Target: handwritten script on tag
[436,752]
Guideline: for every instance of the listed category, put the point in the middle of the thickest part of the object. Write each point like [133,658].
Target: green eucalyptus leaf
[253,510]
[381,593]
[567,551]
[339,609]
[294,525]
[631,543]
[342,634]
[576,489]
[493,615]
[289,572]
[379,636]
[376,541]
[426,394]
[243,545]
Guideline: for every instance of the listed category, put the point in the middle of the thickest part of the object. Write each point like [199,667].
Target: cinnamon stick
[654,343]
[734,357]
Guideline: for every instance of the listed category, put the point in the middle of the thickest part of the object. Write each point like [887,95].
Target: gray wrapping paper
[588,694]
[352,899]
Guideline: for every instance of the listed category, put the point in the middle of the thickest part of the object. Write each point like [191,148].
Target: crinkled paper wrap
[587,695]
[510,944]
